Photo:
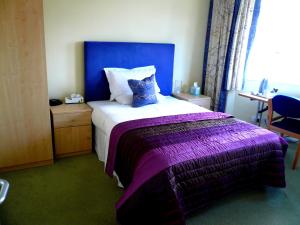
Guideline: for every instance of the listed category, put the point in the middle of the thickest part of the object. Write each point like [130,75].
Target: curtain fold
[228,29]
[239,45]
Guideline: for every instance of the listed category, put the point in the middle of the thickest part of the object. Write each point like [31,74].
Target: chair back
[286,106]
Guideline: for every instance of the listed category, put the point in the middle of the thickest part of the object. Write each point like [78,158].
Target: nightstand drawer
[72,139]
[203,102]
[72,119]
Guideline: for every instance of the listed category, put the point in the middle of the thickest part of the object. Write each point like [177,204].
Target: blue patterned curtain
[227,37]
[252,33]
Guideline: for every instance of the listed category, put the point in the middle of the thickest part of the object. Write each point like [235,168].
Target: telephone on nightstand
[74,99]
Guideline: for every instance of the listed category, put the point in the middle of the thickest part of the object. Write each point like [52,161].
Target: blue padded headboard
[98,55]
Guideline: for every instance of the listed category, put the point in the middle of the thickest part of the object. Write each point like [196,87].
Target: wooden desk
[255,97]
[260,105]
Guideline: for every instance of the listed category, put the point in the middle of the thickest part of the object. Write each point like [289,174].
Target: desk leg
[257,113]
[261,108]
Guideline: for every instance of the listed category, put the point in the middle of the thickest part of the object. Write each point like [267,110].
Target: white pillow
[118,81]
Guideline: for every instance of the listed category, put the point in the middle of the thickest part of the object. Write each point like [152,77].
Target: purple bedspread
[172,166]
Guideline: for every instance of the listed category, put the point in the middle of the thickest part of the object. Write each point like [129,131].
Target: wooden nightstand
[201,100]
[72,130]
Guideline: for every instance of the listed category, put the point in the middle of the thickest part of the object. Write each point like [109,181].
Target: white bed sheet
[107,114]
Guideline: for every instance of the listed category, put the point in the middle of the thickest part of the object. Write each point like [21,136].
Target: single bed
[107,114]
[173,158]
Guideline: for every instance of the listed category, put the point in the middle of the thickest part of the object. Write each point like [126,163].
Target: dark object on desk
[55,102]
[288,122]
[274,90]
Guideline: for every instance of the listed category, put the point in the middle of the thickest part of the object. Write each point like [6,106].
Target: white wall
[70,22]
[241,107]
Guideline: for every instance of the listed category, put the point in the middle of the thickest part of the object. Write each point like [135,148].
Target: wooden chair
[287,122]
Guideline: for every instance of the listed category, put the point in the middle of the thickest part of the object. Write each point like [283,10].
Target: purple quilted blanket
[172,166]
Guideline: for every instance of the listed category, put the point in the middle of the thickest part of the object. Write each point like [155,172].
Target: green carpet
[75,191]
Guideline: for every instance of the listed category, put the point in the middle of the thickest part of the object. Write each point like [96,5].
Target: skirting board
[73,154]
[27,165]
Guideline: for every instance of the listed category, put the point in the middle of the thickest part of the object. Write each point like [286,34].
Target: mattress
[107,114]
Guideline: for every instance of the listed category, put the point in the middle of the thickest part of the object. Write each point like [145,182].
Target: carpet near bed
[77,191]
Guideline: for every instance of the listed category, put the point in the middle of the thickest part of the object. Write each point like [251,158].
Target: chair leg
[297,154]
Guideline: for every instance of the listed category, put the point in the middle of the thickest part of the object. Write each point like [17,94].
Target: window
[276,47]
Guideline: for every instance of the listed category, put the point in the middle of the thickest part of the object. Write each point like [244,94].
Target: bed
[107,114]
[173,158]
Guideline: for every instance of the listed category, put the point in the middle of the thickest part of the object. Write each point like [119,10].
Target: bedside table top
[187,96]
[70,108]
